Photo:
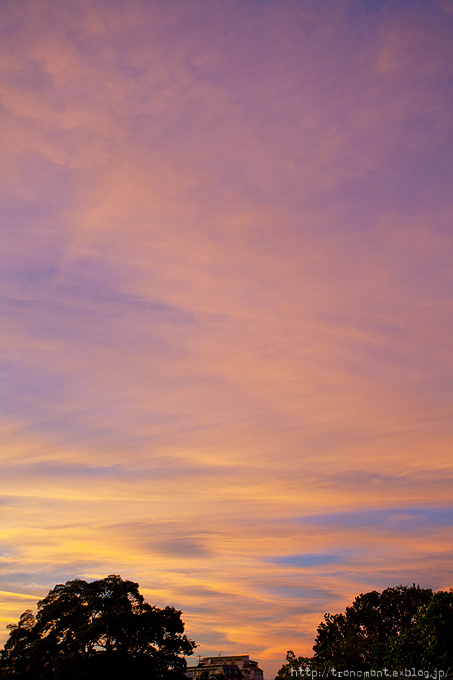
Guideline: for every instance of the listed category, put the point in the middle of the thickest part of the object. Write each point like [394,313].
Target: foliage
[98,629]
[358,638]
[293,665]
[400,628]
[428,643]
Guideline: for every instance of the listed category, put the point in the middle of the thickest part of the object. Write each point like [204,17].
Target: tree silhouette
[98,629]
[428,643]
[400,628]
[358,638]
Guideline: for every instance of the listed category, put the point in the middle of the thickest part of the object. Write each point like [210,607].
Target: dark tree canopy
[293,666]
[358,638]
[428,643]
[93,630]
[400,628]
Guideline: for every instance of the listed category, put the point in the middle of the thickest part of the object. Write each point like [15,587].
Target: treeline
[105,629]
[401,632]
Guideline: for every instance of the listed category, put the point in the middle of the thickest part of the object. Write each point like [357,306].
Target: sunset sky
[226,273]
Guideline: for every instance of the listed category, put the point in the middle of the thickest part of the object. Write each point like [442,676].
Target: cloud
[226,323]
[308,560]
[183,548]
[397,518]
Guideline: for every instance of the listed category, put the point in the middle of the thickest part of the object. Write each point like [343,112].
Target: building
[238,667]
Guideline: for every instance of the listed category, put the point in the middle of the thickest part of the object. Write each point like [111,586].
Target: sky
[226,302]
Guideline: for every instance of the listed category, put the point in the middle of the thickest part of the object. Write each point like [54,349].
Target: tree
[98,629]
[293,666]
[400,628]
[358,639]
[428,642]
